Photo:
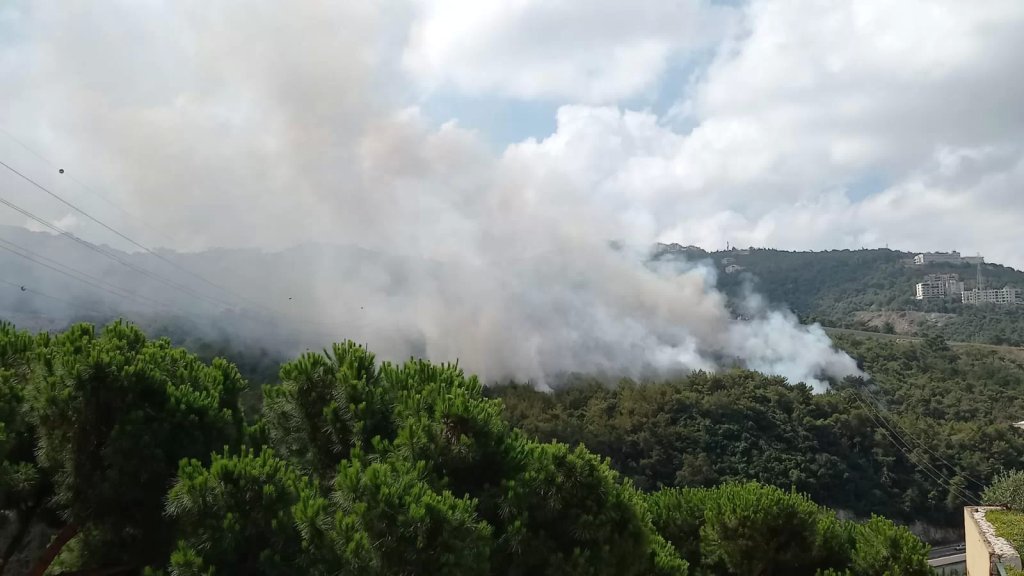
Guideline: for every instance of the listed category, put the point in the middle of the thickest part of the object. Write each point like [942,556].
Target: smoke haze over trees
[587,308]
[127,453]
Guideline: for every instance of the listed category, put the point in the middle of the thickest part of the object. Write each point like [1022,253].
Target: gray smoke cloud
[285,136]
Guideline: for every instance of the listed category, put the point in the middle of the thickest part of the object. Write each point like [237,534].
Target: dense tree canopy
[1007,489]
[916,442]
[130,454]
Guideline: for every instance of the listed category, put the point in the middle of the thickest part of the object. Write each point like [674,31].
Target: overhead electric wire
[76,274]
[113,230]
[254,303]
[877,403]
[952,485]
[72,177]
[27,290]
[110,255]
[22,288]
[265,309]
[108,227]
[931,471]
[130,266]
[907,451]
[70,275]
[880,409]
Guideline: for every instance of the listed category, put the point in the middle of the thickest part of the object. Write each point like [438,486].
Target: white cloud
[928,94]
[808,100]
[287,123]
[873,82]
[592,52]
[283,114]
[655,183]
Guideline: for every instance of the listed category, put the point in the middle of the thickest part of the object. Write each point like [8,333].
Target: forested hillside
[340,464]
[916,442]
[124,455]
[837,287]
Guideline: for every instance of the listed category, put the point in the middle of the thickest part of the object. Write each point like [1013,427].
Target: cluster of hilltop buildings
[940,286]
[728,263]
[936,286]
[950,286]
[946,258]
[731,267]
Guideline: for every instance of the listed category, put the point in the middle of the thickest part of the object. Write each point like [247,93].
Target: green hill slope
[859,289]
[918,440]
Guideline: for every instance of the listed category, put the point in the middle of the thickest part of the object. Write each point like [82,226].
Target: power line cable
[878,404]
[890,428]
[71,176]
[144,272]
[106,253]
[922,465]
[120,234]
[75,208]
[27,290]
[76,274]
[22,288]
[156,277]
[70,275]
[265,309]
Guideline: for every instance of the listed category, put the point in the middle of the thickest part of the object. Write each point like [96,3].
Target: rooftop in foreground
[993,535]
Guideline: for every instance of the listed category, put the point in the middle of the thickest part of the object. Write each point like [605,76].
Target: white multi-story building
[1005,295]
[939,286]
[929,290]
[946,258]
[933,257]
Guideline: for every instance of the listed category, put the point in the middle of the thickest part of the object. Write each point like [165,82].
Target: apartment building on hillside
[939,286]
[1007,295]
[935,257]
[946,258]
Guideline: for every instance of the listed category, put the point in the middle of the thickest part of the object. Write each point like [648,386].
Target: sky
[490,134]
[798,125]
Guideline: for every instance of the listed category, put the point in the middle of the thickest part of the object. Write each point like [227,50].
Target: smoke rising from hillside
[288,128]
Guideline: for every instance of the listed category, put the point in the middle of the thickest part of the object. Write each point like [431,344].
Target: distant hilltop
[962,298]
[674,248]
[920,259]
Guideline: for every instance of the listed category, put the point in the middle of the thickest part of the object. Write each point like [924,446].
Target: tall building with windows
[934,257]
[1007,295]
[946,258]
[939,286]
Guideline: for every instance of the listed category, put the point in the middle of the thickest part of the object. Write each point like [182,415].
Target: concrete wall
[979,553]
[983,547]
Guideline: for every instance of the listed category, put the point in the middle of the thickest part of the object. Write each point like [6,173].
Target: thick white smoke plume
[289,124]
